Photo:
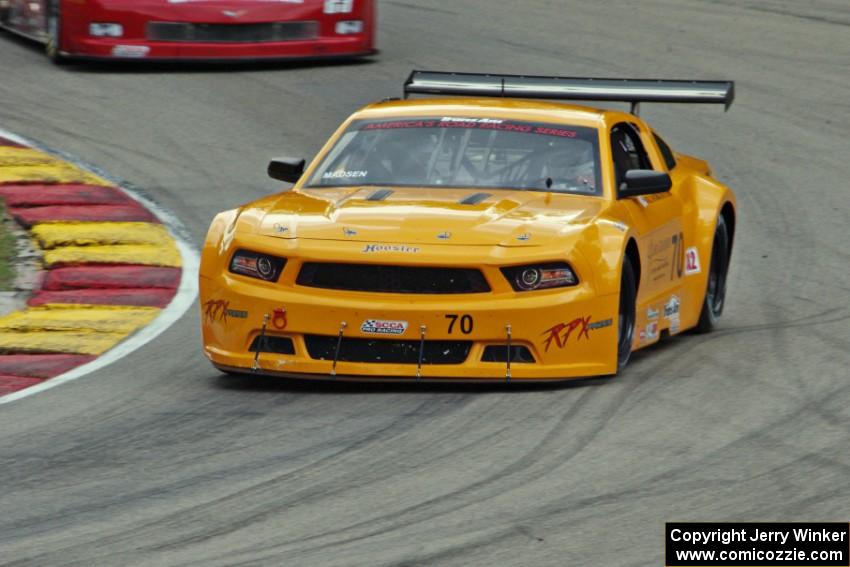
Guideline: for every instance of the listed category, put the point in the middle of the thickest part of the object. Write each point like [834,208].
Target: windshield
[464,152]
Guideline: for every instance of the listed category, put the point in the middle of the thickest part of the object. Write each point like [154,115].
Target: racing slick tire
[627,314]
[715,292]
[53,47]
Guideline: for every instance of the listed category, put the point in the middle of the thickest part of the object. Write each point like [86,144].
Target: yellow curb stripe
[24,157]
[19,165]
[100,319]
[56,234]
[79,329]
[164,255]
[67,342]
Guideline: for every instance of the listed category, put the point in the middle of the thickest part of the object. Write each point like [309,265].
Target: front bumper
[571,333]
[331,47]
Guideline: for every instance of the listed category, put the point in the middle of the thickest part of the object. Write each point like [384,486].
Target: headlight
[99,29]
[256,265]
[540,276]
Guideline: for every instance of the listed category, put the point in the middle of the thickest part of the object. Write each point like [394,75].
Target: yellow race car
[483,234]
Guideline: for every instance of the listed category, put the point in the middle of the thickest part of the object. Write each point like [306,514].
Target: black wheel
[54,33]
[626,319]
[715,292]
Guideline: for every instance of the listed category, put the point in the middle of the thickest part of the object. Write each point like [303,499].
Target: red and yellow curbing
[109,266]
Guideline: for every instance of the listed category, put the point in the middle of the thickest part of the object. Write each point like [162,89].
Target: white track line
[183,299]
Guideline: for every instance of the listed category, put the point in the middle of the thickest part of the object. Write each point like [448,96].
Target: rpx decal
[379,327]
[216,310]
[560,334]
[219,310]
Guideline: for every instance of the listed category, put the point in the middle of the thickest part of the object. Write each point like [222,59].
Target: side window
[666,152]
[627,150]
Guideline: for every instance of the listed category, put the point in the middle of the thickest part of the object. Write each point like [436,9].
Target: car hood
[425,216]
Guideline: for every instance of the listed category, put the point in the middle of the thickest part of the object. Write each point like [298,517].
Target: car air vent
[474,199]
[380,195]
[499,353]
[392,279]
[276,345]
[232,33]
[384,351]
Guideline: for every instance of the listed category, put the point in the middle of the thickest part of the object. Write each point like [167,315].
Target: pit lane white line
[183,299]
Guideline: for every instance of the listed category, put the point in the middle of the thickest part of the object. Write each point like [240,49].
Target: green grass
[8,254]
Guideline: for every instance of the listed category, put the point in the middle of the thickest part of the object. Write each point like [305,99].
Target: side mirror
[286,169]
[644,182]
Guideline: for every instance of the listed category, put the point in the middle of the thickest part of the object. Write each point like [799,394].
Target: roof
[505,108]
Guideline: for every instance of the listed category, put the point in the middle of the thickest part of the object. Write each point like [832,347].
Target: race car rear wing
[634,91]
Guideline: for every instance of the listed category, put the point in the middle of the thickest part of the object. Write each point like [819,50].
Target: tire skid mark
[186,517]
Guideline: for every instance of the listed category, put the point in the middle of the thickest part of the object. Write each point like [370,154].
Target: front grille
[276,345]
[380,351]
[392,279]
[499,353]
[232,33]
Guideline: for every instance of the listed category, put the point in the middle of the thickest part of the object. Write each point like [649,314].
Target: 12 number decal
[692,261]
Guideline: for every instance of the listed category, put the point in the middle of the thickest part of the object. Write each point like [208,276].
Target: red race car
[195,29]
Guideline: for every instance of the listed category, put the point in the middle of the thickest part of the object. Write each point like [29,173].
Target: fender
[699,221]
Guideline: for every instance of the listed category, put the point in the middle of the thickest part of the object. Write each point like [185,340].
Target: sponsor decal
[131,51]
[338,6]
[349,232]
[524,237]
[651,332]
[344,174]
[692,265]
[671,308]
[474,124]
[279,318]
[560,334]
[472,120]
[662,255]
[268,1]
[216,310]
[378,248]
[219,310]
[671,312]
[674,325]
[279,228]
[651,313]
[381,327]
[444,235]
[660,246]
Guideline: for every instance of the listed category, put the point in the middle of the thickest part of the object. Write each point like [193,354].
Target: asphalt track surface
[160,460]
